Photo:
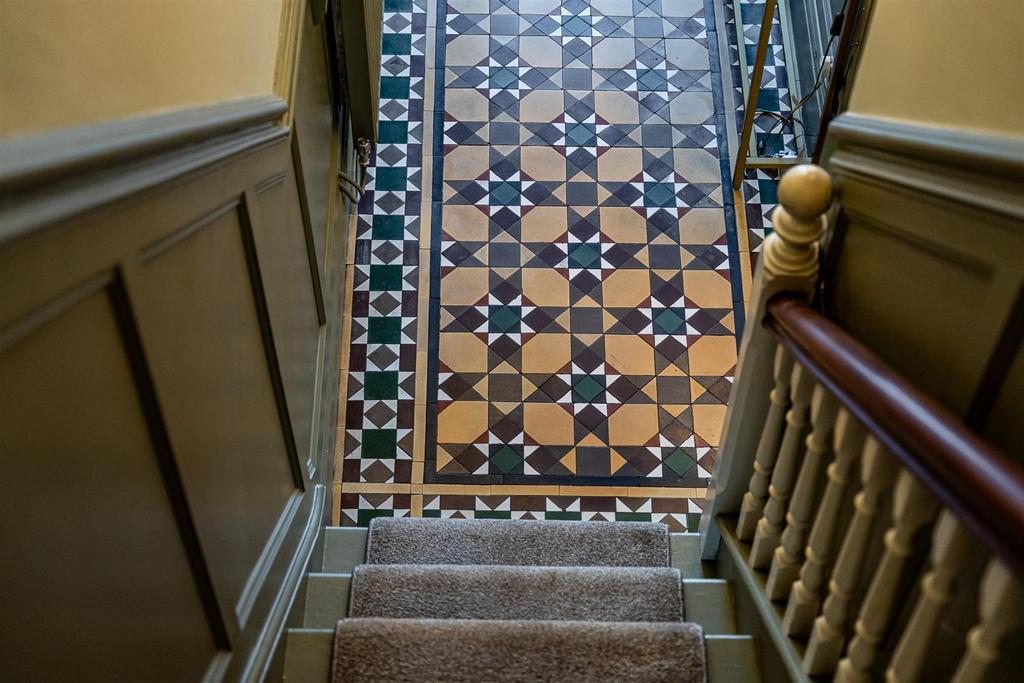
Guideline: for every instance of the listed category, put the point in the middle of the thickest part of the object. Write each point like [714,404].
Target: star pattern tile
[581,327]
[582,249]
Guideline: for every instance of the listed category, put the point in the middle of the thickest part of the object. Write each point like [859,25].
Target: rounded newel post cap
[806,191]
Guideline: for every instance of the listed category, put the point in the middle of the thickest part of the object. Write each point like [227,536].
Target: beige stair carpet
[401,591]
[517,542]
[400,650]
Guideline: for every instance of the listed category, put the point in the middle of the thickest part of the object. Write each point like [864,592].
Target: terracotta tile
[545,287]
[543,163]
[712,355]
[465,104]
[697,165]
[462,422]
[541,106]
[614,53]
[467,162]
[577,490]
[623,225]
[707,288]
[632,425]
[464,223]
[616,107]
[464,286]
[701,226]
[541,51]
[545,223]
[537,6]
[546,353]
[626,288]
[466,50]
[617,8]
[463,352]
[629,354]
[708,421]
[620,164]
[687,53]
[681,8]
[691,107]
[548,424]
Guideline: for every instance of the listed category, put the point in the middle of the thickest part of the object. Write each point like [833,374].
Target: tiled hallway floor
[545,283]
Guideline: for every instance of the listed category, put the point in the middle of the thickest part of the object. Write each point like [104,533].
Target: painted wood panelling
[162,359]
[929,256]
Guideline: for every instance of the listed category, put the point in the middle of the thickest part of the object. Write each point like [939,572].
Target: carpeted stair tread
[474,650]
[517,542]
[395,591]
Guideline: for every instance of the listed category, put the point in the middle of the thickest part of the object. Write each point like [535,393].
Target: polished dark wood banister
[978,482]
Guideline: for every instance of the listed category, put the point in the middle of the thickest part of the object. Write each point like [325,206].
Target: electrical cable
[790,118]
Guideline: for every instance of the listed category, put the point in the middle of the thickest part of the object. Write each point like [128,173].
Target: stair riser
[730,659]
[345,548]
[708,602]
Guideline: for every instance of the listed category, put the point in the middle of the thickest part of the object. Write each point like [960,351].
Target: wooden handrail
[978,482]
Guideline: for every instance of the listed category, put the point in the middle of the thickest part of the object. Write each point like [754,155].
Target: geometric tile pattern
[585,308]
[679,514]
[379,408]
[580,297]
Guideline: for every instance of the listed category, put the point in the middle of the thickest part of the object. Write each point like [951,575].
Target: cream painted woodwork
[790,552]
[805,596]
[767,448]
[787,465]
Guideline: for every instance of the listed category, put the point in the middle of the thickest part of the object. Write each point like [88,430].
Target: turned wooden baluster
[769,527]
[789,263]
[805,596]
[767,448]
[912,508]
[789,554]
[1001,608]
[878,471]
[952,550]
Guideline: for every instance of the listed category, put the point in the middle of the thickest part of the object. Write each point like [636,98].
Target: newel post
[789,262]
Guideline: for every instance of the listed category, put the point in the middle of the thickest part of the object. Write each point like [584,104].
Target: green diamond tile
[669,321]
[659,194]
[588,388]
[380,443]
[679,462]
[583,255]
[506,459]
[396,44]
[364,517]
[493,514]
[385,331]
[632,516]
[503,318]
[393,132]
[385,278]
[394,87]
[564,516]
[380,385]
[391,179]
[388,227]
[505,193]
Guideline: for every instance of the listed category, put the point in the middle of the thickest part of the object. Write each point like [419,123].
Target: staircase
[431,599]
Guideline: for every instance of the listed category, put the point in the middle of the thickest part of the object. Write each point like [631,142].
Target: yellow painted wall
[65,63]
[949,63]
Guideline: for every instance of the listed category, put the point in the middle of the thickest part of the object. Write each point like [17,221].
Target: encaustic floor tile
[581,309]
